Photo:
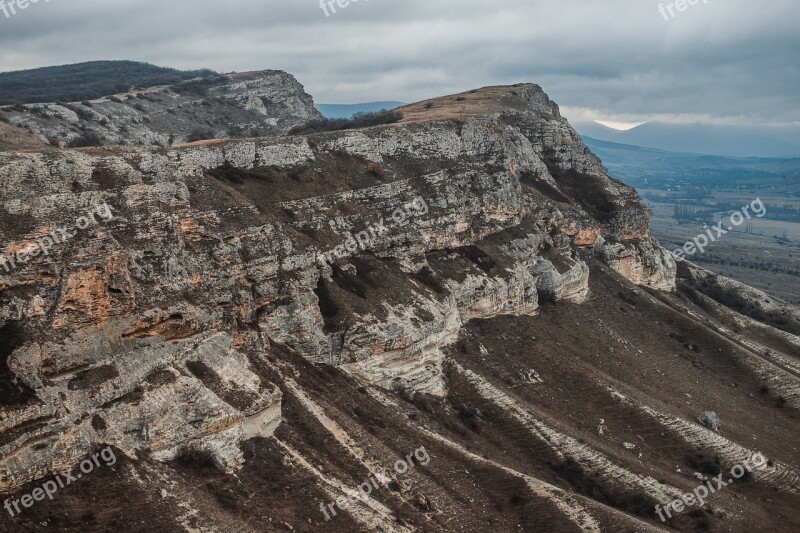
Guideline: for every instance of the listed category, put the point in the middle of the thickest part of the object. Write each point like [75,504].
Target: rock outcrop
[240,286]
[250,104]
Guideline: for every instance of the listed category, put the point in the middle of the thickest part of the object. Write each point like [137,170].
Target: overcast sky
[719,61]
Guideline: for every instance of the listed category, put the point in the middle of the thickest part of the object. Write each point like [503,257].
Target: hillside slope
[265,324]
[246,104]
[86,81]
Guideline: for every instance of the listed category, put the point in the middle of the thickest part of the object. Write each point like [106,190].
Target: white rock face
[234,105]
[154,331]
[644,263]
[146,397]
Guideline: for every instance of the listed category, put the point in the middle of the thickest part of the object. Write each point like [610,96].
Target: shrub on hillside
[81,111]
[200,135]
[86,140]
[86,81]
[199,87]
[359,120]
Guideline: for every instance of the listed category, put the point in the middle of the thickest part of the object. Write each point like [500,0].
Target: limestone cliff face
[138,331]
[234,105]
[310,307]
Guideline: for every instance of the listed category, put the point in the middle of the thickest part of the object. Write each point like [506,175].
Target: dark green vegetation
[348,110]
[359,120]
[84,81]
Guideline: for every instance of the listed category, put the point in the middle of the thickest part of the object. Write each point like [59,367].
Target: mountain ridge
[524,329]
[87,81]
[245,104]
[634,164]
[706,139]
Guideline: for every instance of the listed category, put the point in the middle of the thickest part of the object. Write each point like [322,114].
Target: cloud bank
[720,62]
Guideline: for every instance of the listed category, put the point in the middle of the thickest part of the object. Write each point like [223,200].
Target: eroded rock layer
[248,104]
[299,312]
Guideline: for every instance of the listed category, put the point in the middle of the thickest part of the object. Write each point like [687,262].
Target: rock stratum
[244,104]
[264,323]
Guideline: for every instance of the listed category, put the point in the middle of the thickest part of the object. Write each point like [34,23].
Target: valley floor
[760,259]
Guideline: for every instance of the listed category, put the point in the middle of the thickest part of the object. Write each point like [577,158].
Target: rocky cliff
[250,104]
[299,311]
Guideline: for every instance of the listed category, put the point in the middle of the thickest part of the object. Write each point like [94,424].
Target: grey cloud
[727,59]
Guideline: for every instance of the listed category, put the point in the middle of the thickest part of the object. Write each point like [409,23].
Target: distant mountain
[87,81]
[244,104]
[348,110]
[732,141]
[637,165]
